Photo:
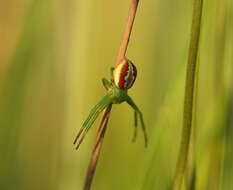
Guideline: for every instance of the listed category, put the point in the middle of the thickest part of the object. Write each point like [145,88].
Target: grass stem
[97,148]
[189,96]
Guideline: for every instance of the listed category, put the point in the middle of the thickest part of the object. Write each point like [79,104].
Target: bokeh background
[53,54]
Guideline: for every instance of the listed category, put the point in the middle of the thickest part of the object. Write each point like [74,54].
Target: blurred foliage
[52,57]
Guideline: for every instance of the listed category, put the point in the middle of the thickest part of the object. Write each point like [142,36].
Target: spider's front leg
[103,103]
[111,75]
[136,113]
[136,126]
[107,84]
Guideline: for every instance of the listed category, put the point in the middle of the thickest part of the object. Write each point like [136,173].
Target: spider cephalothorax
[122,78]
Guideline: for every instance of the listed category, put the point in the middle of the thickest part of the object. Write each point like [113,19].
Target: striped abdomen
[125,74]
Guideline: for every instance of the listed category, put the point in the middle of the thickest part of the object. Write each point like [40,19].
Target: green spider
[122,78]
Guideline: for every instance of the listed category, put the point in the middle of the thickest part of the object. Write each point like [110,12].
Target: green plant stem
[189,95]
[191,170]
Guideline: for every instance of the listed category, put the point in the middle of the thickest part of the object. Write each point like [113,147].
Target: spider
[122,78]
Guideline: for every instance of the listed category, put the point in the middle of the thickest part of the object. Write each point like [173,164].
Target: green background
[53,54]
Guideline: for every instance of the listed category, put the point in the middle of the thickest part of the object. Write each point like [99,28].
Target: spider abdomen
[125,74]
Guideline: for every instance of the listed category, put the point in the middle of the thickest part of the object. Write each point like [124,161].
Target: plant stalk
[189,96]
[97,148]
[105,117]
[128,29]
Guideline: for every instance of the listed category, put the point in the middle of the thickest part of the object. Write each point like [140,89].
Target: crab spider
[122,78]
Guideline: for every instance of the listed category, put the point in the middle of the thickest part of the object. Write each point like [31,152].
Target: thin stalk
[128,29]
[191,170]
[105,117]
[97,148]
[189,95]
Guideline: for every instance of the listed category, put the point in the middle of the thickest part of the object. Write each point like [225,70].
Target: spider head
[124,74]
[118,95]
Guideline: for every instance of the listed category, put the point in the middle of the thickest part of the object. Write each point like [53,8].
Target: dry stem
[128,29]
[97,148]
[105,117]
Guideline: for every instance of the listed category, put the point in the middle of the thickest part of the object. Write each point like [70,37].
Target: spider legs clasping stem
[99,107]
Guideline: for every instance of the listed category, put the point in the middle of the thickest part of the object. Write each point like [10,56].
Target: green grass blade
[189,96]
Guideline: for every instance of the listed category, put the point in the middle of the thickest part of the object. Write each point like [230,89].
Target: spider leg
[93,110]
[143,127]
[90,120]
[135,126]
[111,74]
[136,109]
[107,84]
[98,111]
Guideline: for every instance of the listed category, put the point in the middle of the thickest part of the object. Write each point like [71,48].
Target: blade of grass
[189,95]
[227,165]
[191,170]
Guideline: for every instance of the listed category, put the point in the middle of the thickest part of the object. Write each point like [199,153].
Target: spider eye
[125,74]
